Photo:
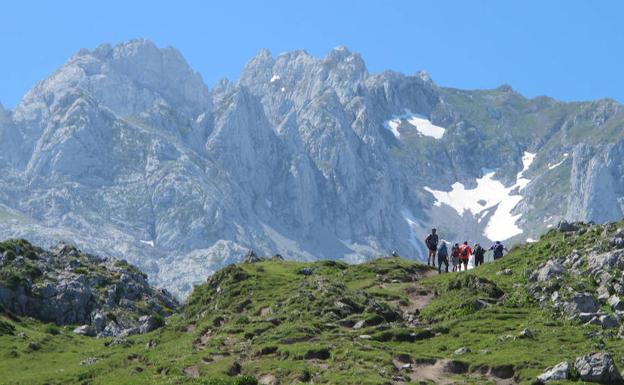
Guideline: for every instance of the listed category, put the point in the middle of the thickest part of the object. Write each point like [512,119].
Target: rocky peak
[342,59]
[129,78]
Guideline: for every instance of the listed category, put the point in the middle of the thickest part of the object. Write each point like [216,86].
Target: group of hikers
[460,253]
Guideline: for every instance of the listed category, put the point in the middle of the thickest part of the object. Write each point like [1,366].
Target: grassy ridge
[298,322]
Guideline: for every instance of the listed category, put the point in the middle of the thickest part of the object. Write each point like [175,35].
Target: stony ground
[389,321]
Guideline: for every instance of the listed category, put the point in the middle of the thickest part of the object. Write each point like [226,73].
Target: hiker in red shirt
[464,255]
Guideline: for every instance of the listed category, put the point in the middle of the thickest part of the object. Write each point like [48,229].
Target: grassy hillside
[328,322]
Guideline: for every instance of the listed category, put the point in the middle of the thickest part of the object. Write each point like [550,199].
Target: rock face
[68,287]
[597,367]
[125,151]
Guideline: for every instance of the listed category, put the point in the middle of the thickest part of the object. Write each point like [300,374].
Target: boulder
[148,323]
[597,367]
[581,303]
[617,242]
[252,257]
[616,303]
[549,270]
[561,371]
[605,262]
[99,322]
[566,227]
[609,321]
[587,317]
[111,330]
[603,293]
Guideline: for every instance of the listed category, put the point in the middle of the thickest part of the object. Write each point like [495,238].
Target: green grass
[274,320]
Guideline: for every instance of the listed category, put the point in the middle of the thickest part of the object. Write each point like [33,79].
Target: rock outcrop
[66,286]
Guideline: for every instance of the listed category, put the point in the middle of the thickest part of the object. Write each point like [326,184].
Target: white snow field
[488,194]
[421,123]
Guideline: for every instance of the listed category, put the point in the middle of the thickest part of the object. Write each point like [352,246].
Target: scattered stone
[404,358]
[85,330]
[505,272]
[597,367]
[148,323]
[268,379]
[191,371]
[603,294]
[462,350]
[307,271]
[503,371]
[359,324]
[151,344]
[609,321]
[527,333]
[617,242]
[456,367]
[278,257]
[365,337]
[99,322]
[234,369]
[33,346]
[319,354]
[89,361]
[616,303]
[561,371]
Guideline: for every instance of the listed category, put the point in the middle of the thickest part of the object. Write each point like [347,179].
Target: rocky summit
[125,152]
[548,312]
[64,286]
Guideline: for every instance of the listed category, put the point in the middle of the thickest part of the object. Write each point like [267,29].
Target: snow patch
[554,166]
[489,194]
[421,123]
[149,243]
[275,78]
[414,226]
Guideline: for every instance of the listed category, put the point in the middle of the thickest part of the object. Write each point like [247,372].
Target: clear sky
[568,49]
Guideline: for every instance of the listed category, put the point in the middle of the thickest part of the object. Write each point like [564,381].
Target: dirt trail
[418,296]
[446,372]
[202,341]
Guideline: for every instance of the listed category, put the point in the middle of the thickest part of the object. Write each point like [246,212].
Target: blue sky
[571,50]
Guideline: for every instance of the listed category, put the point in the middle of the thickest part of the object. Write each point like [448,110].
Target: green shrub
[6,328]
[245,380]
[10,255]
[30,255]
[52,329]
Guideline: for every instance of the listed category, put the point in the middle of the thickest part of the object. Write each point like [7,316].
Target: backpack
[464,252]
[498,250]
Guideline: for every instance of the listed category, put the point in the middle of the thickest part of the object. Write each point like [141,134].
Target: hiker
[498,249]
[455,257]
[432,245]
[479,254]
[442,257]
[464,255]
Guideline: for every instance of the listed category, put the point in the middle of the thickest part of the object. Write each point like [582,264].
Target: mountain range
[126,152]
